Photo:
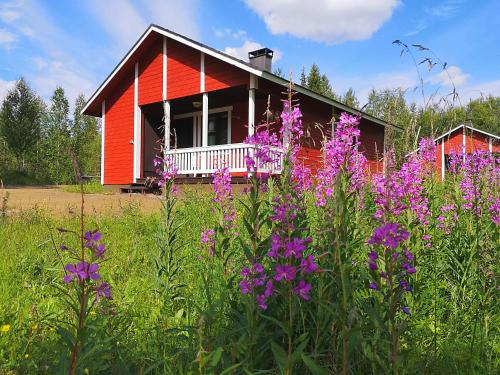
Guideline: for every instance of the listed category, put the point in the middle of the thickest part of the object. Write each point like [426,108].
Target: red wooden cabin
[463,139]
[209,102]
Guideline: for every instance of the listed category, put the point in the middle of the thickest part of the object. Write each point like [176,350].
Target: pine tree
[20,121]
[318,82]
[350,99]
[303,79]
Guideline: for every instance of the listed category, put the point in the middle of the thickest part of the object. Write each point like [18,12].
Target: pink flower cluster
[340,154]
[397,191]
[84,271]
[393,267]
[266,154]
[165,169]
[225,200]
[288,263]
[292,132]
[479,174]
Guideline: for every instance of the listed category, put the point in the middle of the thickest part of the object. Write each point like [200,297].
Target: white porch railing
[206,160]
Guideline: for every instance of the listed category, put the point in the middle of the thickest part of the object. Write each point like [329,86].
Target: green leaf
[313,366]
[279,354]
[216,356]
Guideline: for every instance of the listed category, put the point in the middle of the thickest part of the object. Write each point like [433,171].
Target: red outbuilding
[464,139]
[208,102]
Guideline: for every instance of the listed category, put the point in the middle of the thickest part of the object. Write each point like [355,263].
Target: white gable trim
[232,61]
[468,127]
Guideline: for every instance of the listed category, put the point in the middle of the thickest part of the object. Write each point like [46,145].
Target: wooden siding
[118,151]
[221,75]
[151,74]
[183,70]
[372,144]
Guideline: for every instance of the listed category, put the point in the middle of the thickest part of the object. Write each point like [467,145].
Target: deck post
[251,105]
[204,129]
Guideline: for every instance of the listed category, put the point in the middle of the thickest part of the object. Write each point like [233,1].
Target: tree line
[39,142]
[437,116]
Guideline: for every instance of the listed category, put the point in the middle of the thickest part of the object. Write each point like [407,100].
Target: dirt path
[60,202]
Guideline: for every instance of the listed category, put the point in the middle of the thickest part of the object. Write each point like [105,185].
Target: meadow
[342,273]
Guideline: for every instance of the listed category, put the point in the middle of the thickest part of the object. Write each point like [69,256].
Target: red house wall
[221,75]
[150,84]
[119,130]
[183,70]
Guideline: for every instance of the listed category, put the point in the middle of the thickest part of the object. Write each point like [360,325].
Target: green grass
[92,187]
[31,306]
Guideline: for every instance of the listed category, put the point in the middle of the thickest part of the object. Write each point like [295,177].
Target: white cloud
[362,85]
[241,52]
[480,89]
[330,21]
[178,16]
[52,73]
[227,32]
[120,19]
[8,11]
[452,75]
[6,37]
[4,87]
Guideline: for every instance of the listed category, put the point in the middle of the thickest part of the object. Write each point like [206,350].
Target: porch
[203,133]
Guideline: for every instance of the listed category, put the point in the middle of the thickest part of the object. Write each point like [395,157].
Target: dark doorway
[153,135]
[182,133]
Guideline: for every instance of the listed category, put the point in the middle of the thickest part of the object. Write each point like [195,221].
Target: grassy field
[341,274]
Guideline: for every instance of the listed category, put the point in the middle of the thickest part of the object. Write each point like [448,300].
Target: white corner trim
[443,166]
[164,73]
[204,121]
[103,134]
[202,72]
[137,127]
[490,145]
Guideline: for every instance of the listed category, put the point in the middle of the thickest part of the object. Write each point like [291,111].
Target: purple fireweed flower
[373,255]
[406,310]
[398,191]
[165,169]
[341,154]
[373,266]
[268,292]
[92,241]
[286,272]
[103,290]
[307,264]
[408,255]
[245,287]
[276,245]
[302,290]
[372,285]
[261,301]
[403,284]
[81,271]
[389,235]
[295,247]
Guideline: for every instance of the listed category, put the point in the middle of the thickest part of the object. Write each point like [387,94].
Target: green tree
[85,139]
[350,99]
[57,142]
[318,82]
[20,121]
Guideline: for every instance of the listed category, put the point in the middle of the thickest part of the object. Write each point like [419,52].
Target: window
[218,128]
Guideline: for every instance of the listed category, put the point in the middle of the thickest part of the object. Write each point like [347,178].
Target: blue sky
[76,44]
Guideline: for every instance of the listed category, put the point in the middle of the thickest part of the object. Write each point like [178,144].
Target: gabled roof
[467,127]
[230,60]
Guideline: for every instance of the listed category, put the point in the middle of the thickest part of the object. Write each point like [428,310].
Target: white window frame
[197,118]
